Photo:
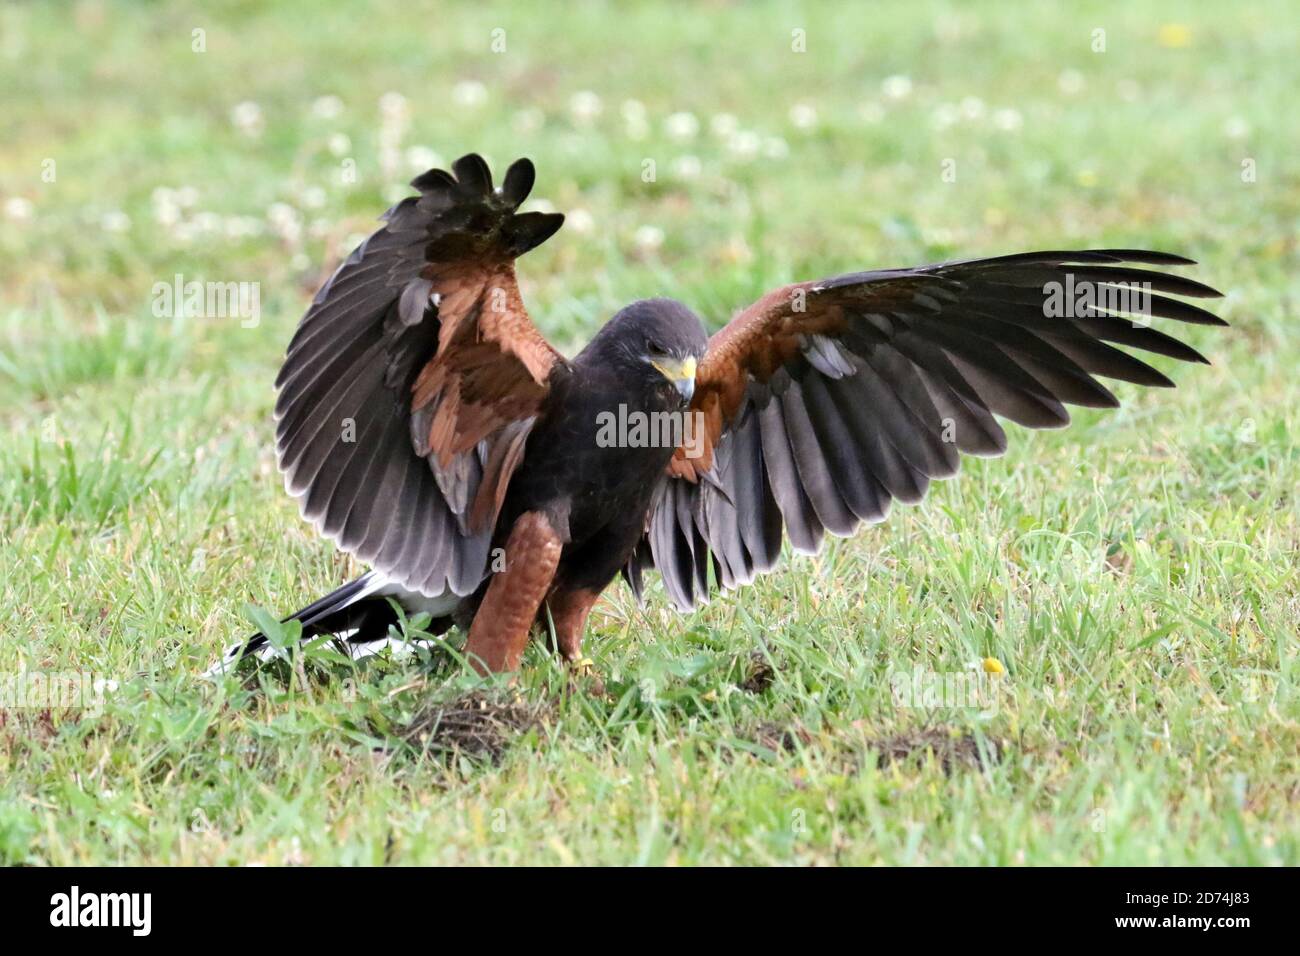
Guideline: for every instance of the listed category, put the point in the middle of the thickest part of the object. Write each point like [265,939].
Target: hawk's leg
[499,633]
[569,611]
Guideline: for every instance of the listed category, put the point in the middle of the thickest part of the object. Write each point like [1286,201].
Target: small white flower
[803,116]
[285,221]
[339,144]
[635,122]
[186,197]
[1008,119]
[584,106]
[207,222]
[313,197]
[1236,128]
[580,221]
[392,105]
[420,158]
[1070,82]
[247,117]
[648,238]
[18,208]
[280,212]
[115,221]
[166,213]
[724,125]
[682,126]
[945,115]
[326,107]
[166,210]
[972,107]
[469,93]
[896,87]
[745,144]
[686,167]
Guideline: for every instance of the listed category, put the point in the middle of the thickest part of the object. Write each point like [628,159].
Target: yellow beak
[681,374]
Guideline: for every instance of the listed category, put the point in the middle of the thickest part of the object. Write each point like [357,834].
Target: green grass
[1136,574]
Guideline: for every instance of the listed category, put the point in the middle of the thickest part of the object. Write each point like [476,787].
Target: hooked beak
[681,374]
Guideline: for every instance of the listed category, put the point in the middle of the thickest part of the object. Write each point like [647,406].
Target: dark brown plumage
[428,428]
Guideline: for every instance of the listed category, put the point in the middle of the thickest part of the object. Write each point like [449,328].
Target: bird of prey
[427,427]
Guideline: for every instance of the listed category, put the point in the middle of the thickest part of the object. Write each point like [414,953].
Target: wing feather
[410,386]
[826,400]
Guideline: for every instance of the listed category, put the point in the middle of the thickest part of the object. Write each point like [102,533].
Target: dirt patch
[475,725]
[951,751]
[759,674]
[781,738]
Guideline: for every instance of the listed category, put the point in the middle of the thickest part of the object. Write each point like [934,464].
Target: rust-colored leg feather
[499,634]
[569,610]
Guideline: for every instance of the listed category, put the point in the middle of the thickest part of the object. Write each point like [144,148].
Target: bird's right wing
[824,401]
[412,382]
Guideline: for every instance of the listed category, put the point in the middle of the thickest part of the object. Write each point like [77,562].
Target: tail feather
[358,613]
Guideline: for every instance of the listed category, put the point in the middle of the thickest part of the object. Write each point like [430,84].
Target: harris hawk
[427,427]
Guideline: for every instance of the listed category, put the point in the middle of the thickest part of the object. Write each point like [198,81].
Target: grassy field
[1134,576]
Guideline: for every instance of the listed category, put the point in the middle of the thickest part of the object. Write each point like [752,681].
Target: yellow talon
[583,669]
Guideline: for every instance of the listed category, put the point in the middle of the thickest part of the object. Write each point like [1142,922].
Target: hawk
[428,428]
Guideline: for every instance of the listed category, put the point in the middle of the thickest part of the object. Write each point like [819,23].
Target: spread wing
[412,382]
[824,401]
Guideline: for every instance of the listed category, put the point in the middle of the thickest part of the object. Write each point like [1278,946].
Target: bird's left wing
[412,382]
[823,401]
